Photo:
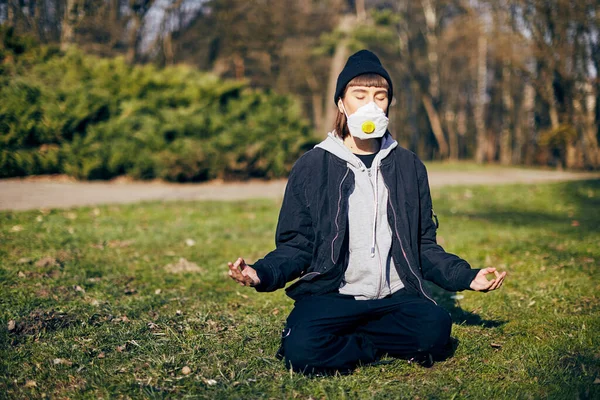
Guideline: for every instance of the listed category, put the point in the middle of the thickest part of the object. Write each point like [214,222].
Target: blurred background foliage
[190,90]
[98,118]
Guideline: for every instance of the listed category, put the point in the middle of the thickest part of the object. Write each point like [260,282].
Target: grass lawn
[134,301]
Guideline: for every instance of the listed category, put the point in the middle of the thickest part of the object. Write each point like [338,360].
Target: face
[358,96]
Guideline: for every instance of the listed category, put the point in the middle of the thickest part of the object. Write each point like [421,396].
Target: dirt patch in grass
[41,321]
[182,266]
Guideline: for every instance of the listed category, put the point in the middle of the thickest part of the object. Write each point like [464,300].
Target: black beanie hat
[359,63]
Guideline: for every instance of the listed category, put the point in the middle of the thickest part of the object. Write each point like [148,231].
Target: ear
[340,106]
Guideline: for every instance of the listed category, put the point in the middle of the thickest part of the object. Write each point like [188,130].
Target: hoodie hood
[335,145]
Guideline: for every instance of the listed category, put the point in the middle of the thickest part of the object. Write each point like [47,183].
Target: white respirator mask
[368,122]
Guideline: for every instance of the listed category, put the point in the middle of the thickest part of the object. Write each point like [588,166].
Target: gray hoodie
[371,273]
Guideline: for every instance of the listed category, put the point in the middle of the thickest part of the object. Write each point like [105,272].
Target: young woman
[356,227]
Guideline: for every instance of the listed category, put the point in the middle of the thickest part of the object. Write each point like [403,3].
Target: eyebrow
[359,90]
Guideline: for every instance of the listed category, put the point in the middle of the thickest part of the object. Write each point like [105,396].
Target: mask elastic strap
[344,108]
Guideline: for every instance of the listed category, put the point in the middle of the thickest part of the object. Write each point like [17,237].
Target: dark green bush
[95,118]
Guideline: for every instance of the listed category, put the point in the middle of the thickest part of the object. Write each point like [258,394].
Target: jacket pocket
[303,279]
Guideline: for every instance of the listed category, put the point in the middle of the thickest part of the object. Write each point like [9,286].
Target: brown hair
[340,126]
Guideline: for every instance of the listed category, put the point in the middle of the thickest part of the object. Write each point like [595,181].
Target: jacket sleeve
[446,270]
[294,238]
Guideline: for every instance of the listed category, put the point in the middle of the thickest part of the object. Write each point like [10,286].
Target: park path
[50,192]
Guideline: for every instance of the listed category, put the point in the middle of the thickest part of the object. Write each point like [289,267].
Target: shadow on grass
[460,316]
[583,197]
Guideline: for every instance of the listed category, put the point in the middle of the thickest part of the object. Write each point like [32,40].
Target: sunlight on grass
[121,299]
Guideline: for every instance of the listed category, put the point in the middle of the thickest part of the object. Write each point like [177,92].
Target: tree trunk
[132,41]
[69,21]
[316,102]
[452,136]
[168,49]
[526,122]
[432,45]
[113,17]
[336,66]
[436,125]
[480,153]
[10,14]
[505,140]
[361,13]
[239,66]
[411,104]
[592,153]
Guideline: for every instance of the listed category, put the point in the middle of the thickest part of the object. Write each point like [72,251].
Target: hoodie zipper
[375,248]
[402,247]
[337,225]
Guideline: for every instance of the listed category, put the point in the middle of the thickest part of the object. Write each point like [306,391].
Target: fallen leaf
[190,242]
[21,274]
[178,312]
[30,384]
[122,318]
[186,370]
[210,382]
[496,345]
[597,381]
[11,325]
[71,215]
[574,223]
[79,288]
[39,218]
[59,361]
[16,228]
[101,355]
[122,348]
[24,260]
[157,291]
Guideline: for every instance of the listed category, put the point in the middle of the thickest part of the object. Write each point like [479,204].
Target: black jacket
[312,230]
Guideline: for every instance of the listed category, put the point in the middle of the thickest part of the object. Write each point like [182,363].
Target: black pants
[335,332]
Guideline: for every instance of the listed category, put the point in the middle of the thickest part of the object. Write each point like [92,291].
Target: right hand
[242,273]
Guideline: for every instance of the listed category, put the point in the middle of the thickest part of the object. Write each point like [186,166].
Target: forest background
[192,90]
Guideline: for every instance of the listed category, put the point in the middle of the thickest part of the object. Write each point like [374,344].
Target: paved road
[43,192]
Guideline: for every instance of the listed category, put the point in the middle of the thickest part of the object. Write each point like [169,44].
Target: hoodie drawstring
[376,206]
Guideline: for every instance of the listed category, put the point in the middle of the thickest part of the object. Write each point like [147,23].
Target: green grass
[471,166]
[97,314]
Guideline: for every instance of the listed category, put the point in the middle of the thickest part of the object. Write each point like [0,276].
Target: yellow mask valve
[368,127]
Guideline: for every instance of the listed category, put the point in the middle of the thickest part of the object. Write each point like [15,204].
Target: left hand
[481,283]
[242,273]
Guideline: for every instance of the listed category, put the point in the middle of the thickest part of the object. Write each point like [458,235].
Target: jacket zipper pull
[372,252]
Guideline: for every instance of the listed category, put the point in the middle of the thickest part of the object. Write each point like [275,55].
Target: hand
[481,283]
[242,273]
